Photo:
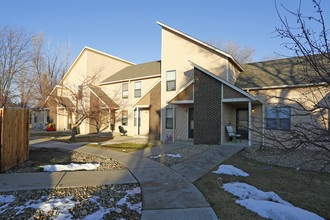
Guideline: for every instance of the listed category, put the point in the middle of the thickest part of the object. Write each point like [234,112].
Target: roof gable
[95,51]
[203,44]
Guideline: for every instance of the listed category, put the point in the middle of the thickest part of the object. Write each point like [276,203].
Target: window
[136,117]
[137,89]
[125,90]
[124,117]
[80,92]
[169,118]
[170,80]
[278,118]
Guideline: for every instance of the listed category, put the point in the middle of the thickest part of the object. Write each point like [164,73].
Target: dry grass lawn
[293,186]
[124,147]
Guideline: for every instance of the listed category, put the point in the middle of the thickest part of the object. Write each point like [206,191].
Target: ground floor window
[278,118]
[169,118]
[124,117]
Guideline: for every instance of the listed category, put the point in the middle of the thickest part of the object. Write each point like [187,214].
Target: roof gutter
[132,79]
[285,86]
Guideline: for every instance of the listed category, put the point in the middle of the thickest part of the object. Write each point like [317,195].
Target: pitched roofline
[57,86]
[96,51]
[99,98]
[230,57]
[181,90]
[158,81]
[286,86]
[223,81]
[131,79]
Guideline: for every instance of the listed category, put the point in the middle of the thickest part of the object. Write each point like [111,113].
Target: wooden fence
[14,129]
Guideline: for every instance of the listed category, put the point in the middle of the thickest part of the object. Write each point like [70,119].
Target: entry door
[191,123]
[242,122]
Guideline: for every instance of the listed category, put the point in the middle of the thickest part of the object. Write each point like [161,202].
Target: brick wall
[207,109]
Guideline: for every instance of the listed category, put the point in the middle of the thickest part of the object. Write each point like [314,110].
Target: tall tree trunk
[73,133]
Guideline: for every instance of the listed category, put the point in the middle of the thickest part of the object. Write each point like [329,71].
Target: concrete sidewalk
[167,192]
[45,180]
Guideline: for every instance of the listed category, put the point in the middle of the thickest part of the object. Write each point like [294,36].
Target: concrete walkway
[167,192]
[45,180]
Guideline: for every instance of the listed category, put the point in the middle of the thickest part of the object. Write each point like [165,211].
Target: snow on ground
[163,155]
[70,167]
[267,204]
[137,207]
[63,205]
[6,200]
[230,170]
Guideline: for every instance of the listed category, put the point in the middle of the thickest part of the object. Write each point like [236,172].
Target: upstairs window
[278,118]
[124,118]
[80,92]
[171,80]
[125,90]
[137,89]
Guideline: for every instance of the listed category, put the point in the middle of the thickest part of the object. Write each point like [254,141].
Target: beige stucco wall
[307,95]
[90,63]
[176,54]
[114,91]
[103,65]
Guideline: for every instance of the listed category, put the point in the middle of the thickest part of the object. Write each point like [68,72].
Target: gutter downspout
[250,123]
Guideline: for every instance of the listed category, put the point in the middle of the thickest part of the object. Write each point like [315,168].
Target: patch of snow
[99,213]
[246,191]
[7,199]
[60,205]
[70,167]
[168,155]
[230,170]
[136,207]
[267,204]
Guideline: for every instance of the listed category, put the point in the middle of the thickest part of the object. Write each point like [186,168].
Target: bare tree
[311,105]
[14,58]
[49,65]
[75,99]
[241,55]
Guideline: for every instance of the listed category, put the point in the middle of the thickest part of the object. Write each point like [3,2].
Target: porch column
[250,123]
[263,124]
[174,122]
[137,121]
[109,120]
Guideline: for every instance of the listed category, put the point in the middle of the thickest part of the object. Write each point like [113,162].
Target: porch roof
[231,93]
[185,95]
[65,102]
[144,101]
[99,93]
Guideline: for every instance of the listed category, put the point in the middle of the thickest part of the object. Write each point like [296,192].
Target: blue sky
[128,29]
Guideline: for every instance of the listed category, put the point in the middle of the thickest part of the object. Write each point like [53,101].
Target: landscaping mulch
[49,156]
[88,200]
[305,159]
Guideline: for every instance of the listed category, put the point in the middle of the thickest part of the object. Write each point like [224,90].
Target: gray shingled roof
[65,101]
[104,97]
[272,73]
[140,70]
